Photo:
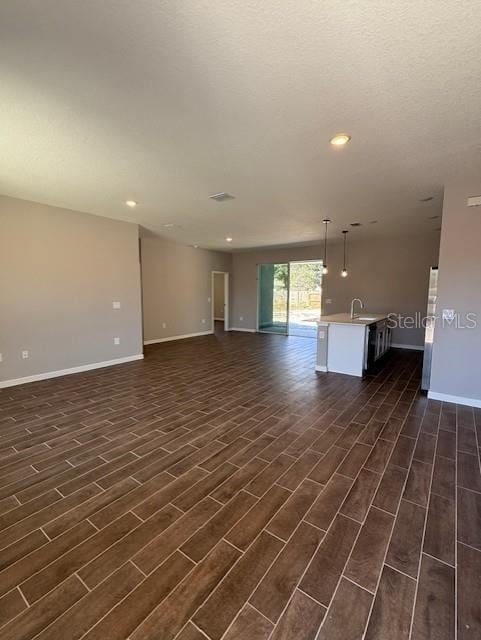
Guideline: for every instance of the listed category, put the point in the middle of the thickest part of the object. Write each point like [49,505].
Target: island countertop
[345,318]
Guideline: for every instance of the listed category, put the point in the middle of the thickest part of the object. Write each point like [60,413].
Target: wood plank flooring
[222,489]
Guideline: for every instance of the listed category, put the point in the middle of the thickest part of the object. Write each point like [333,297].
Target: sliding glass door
[289,298]
[273,311]
[304,297]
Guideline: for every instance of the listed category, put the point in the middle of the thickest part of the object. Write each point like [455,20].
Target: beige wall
[219,296]
[176,287]
[60,271]
[457,351]
[390,275]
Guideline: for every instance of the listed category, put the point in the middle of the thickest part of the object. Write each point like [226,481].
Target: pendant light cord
[344,268]
[326,221]
[325,245]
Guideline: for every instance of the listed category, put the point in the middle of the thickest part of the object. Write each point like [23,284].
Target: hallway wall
[176,288]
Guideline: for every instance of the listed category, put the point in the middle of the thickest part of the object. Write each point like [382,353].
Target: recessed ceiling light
[228,239]
[340,140]
[428,199]
[221,197]
[131,203]
[432,217]
[373,222]
[356,224]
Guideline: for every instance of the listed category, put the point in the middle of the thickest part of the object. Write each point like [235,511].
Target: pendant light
[344,268]
[326,221]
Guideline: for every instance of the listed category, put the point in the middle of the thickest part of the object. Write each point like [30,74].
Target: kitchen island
[350,345]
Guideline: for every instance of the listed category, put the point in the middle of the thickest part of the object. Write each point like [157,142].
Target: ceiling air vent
[221,197]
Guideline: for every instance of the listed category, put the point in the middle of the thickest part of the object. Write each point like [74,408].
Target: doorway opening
[289,297]
[220,300]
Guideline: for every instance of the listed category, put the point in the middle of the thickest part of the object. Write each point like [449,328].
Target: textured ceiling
[167,102]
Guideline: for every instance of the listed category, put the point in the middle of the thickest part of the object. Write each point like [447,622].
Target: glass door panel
[304,297]
[273,312]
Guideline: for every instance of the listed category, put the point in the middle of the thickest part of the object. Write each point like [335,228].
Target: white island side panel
[346,348]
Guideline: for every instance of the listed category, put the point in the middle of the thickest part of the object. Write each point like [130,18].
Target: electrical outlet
[241,318]
[115,305]
[203,320]
[24,355]
[208,299]
[116,340]
[164,325]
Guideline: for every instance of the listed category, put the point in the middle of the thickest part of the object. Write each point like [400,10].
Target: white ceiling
[166,102]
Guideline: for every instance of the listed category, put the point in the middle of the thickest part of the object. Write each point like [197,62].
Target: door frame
[226,298]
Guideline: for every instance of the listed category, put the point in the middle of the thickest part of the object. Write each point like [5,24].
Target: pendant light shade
[326,221]
[344,268]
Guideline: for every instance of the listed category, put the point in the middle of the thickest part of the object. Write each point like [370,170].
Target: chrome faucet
[352,306]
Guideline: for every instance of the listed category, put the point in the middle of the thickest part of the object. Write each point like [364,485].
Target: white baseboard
[446,397]
[415,347]
[66,372]
[185,335]
[321,367]
[242,329]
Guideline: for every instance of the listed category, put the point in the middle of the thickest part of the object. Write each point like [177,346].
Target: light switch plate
[115,305]
[474,201]
[329,301]
[116,340]
[24,355]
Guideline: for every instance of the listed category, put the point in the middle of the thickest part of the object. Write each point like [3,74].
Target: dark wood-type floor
[222,489]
